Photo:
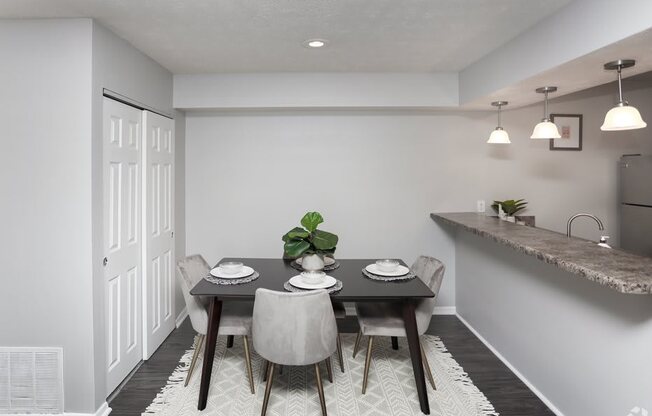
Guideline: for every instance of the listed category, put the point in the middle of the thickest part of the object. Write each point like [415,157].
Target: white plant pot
[312,262]
[511,219]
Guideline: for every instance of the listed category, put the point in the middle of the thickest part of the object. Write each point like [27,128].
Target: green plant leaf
[311,220]
[296,232]
[323,240]
[296,247]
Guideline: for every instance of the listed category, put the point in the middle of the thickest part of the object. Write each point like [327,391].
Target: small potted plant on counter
[309,242]
[510,207]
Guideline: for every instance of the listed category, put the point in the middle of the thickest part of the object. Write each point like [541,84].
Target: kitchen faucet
[569,225]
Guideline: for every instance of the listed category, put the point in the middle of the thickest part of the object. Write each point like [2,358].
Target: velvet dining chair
[385,319]
[235,319]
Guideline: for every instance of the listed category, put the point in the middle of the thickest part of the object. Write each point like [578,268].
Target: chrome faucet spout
[569,224]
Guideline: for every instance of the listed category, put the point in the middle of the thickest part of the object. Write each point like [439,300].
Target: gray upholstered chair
[294,329]
[235,319]
[385,319]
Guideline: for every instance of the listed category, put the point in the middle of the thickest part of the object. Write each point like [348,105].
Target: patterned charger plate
[372,276]
[328,268]
[335,288]
[240,281]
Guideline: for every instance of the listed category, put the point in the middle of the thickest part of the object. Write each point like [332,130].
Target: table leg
[412,332]
[214,314]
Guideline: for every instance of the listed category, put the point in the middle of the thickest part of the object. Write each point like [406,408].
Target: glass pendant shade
[623,117]
[545,130]
[499,136]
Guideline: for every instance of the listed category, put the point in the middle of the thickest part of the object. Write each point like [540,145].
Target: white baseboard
[104,410]
[525,381]
[439,310]
[445,310]
[182,316]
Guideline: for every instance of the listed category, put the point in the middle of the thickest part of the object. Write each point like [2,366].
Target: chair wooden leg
[394,343]
[200,342]
[367,364]
[339,352]
[229,341]
[265,370]
[320,388]
[426,366]
[250,373]
[268,388]
[357,343]
[329,369]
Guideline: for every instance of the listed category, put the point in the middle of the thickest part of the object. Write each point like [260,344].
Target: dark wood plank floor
[504,390]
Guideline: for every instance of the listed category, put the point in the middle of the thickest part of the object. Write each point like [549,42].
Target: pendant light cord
[545,106]
[499,109]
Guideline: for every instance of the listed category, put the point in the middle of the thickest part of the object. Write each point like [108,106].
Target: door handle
[105,261]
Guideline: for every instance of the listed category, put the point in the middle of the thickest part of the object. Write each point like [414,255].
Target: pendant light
[499,135]
[545,129]
[622,116]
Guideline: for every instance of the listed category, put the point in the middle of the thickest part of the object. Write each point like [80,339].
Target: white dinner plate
[400,271]
[297,281]
[246,271]
[327,261]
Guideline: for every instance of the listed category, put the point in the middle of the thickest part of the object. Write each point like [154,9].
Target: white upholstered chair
[235,319]
[294,329]
[385,319]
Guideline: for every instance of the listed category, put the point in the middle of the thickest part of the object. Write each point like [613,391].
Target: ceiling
[211,36]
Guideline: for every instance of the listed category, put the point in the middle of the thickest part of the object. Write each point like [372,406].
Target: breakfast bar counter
[551,307]
[619,270]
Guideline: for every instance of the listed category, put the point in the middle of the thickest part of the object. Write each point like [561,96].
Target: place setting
[313,280]
[387,270]
[232,273]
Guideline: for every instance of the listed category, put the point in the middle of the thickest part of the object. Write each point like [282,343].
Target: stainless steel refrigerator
[636,204]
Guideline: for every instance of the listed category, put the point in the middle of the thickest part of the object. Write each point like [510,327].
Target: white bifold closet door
[158,229]
[139,271]
[122,239]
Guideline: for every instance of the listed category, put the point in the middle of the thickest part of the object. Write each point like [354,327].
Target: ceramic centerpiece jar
[312,262]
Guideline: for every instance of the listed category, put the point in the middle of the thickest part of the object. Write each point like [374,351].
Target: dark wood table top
[356,287]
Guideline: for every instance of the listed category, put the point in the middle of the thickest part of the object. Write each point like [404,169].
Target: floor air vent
[31,380]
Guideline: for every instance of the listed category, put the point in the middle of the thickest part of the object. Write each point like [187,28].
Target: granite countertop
[619,270]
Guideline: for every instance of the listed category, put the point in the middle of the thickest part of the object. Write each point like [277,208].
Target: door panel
[159,228]
[122,245]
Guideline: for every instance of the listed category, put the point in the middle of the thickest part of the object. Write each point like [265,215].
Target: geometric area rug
[390,391]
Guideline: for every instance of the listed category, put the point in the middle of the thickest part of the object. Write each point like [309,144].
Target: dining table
[356,287]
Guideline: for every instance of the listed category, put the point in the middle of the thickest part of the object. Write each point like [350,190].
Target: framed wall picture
[570,129]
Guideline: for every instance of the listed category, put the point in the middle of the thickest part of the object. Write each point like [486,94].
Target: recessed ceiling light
[315,43]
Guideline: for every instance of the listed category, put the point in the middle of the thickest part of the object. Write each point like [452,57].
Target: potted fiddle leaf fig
[310,243]
[511,207]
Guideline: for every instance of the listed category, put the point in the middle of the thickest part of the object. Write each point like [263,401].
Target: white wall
[45,111]
[376,175]
[577,30]
[584,347]
[320,90]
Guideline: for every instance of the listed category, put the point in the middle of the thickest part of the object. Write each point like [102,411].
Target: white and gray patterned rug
[391,389]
